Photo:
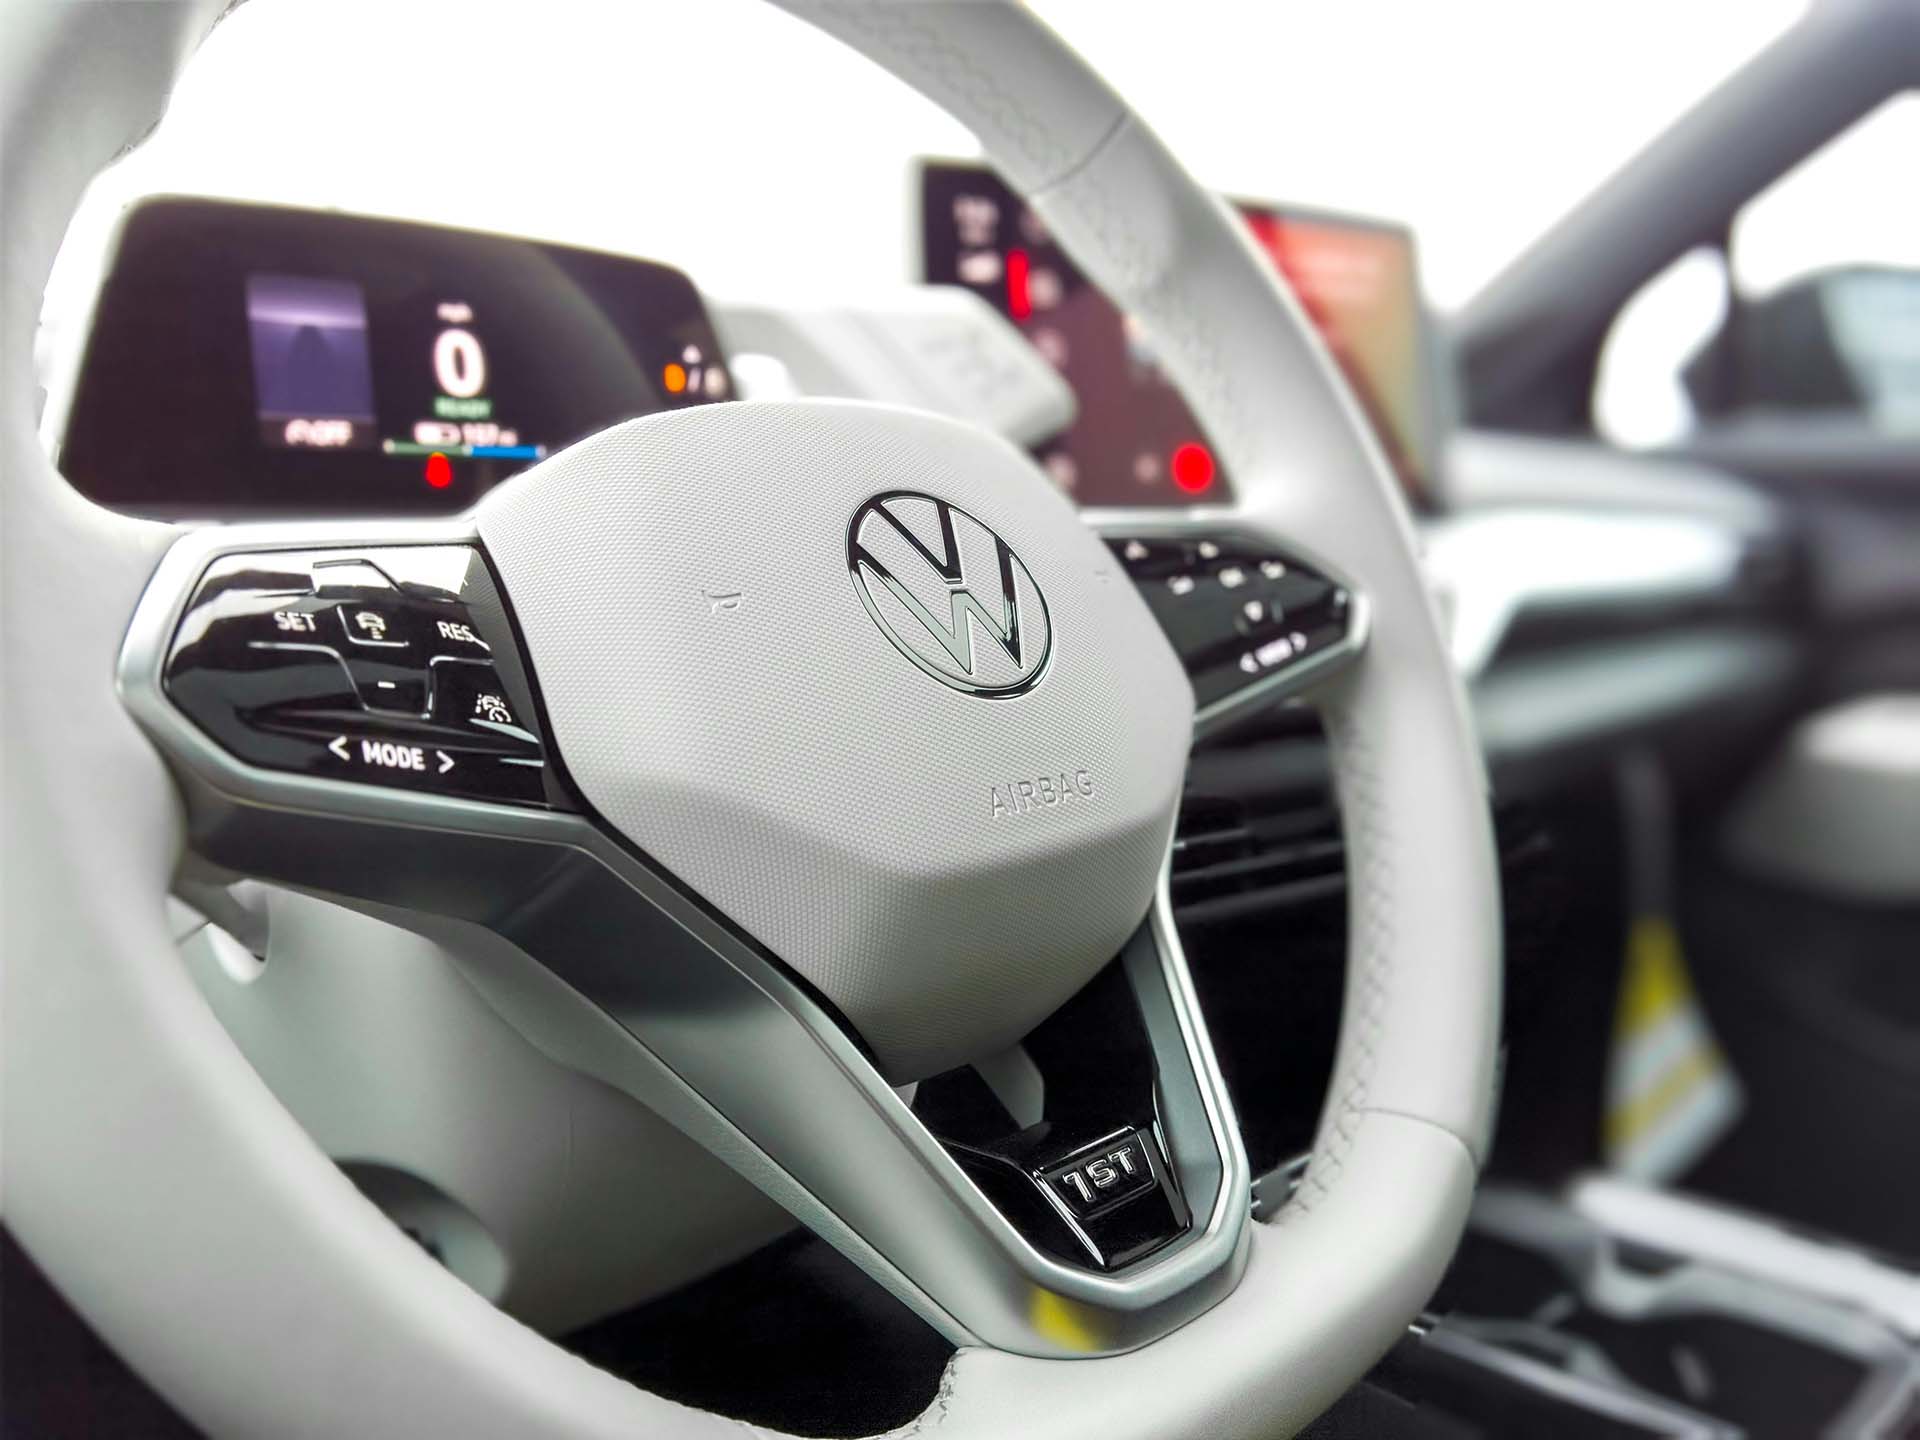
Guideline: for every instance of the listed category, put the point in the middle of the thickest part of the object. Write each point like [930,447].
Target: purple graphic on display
[312,377]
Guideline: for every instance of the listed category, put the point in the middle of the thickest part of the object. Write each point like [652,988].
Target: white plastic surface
[1750,1245]
[935,348]
[1836,811]
[392,1060]
[1490,567]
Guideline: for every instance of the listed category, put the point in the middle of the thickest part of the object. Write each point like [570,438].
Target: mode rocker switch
[372,666]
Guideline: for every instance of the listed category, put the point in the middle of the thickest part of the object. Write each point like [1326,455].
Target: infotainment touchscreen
[1135,442]
[249,358]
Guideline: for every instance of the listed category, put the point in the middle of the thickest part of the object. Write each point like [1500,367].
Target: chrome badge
[930,575]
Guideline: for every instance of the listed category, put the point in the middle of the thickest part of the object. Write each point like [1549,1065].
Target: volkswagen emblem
[949,593]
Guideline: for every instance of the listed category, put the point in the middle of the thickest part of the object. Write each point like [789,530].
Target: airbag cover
[944,810]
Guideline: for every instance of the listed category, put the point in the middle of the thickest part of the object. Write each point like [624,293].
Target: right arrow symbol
[338,745]
[446,761]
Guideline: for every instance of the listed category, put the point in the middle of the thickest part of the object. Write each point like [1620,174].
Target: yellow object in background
[1670,1093]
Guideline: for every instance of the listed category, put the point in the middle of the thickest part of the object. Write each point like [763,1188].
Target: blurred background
[784,166]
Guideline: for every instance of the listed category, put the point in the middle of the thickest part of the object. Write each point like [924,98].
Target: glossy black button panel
[1236,610]
[373,665]
[1111,1199]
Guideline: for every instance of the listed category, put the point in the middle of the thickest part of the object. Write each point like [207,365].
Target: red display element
[1357,284]
[439,471]
[1192,467]
[1019,298]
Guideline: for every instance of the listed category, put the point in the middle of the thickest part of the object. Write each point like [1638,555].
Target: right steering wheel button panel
[1237,612]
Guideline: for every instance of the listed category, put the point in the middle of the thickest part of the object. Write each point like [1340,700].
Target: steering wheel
[775,859]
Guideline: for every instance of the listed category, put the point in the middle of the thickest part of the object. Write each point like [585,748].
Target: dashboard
[1135,441]
[249,359]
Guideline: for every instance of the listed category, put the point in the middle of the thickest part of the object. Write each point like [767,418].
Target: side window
[1811,314]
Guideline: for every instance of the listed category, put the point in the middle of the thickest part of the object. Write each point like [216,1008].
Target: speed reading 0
[459,364]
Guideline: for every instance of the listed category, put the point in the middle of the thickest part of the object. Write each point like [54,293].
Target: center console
[1555,1319]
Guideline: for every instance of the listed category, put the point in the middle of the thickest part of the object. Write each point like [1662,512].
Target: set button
[295,625]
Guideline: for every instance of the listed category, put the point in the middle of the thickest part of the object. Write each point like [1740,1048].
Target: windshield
[1478,124]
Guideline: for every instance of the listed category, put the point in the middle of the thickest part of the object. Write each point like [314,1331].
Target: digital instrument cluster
[1135,442]
[250,359]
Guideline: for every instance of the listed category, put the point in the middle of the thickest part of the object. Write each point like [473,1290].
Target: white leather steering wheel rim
[129,1114]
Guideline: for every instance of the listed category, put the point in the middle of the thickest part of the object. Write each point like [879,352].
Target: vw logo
[935,580]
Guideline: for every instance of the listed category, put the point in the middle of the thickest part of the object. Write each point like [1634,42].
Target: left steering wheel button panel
[326,663]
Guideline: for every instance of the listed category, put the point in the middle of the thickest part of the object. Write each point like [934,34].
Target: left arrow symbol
[338,745]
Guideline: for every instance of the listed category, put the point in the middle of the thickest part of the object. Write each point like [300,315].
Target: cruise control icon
[370,627]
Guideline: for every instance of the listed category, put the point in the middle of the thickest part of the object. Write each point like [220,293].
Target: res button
[452,634]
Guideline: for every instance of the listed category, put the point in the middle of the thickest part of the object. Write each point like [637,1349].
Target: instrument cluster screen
[250,359]
[1135,442]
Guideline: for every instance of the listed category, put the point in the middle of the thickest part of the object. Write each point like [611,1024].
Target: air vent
[1241,848]
[1259,831]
